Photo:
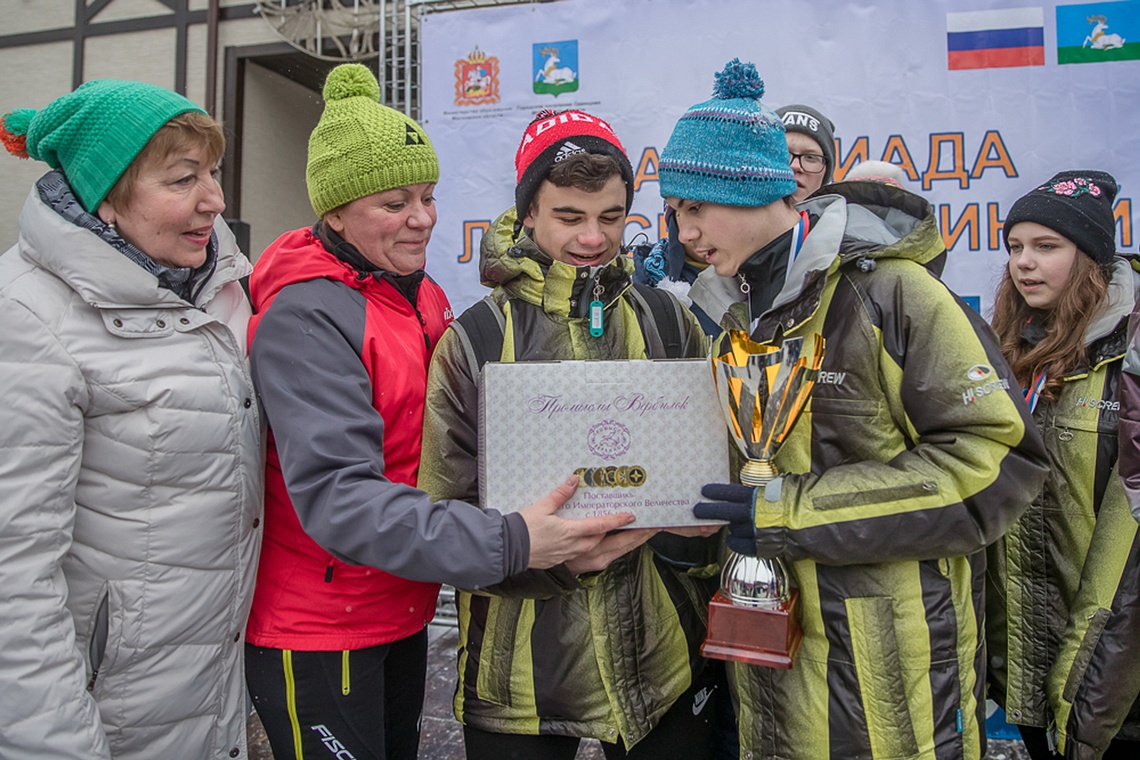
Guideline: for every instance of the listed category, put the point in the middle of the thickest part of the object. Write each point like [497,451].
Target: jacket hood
[101,275]
[510,260]
[854,220]
[874,220]
[1122,290]
[296,256]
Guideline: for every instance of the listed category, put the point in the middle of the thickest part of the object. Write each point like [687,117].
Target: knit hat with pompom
[360,147]
[554,136]
[731,149]
[94,133]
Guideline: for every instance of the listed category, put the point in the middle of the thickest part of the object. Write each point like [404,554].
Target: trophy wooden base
[753,635]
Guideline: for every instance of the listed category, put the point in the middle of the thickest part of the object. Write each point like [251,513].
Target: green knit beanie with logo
[361,147]
[94,133]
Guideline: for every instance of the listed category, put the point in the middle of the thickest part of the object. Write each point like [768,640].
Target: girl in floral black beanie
[1061,620]
[1061,243]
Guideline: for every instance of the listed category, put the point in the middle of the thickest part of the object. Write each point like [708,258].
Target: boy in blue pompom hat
[915,453]
[731,151]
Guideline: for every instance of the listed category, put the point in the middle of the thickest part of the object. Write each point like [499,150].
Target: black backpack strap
[480,329]
[661,321]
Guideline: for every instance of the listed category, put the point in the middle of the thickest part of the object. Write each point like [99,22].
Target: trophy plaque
[753,617]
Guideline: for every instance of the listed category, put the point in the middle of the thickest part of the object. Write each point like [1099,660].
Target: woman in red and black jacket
[353,554]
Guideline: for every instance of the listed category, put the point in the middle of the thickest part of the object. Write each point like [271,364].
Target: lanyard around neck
[1033,392]
[799,232]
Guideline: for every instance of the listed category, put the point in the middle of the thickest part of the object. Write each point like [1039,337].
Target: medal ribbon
[1033,392]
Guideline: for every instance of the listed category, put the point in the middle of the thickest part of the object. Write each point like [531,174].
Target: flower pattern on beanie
[1074,187]
[1076,204]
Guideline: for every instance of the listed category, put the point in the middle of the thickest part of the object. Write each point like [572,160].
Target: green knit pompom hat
[360,147]
[94,133]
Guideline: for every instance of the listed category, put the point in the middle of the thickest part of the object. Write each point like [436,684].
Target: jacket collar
[509,259]
[407,284]
[866,221]
[1120,300]
[100,274]
[184,281]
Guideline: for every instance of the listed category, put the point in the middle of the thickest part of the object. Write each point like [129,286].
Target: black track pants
[361,704]
[687,730]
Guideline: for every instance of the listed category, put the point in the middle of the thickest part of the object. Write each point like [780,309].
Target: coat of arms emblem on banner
[556,67]
[476,79]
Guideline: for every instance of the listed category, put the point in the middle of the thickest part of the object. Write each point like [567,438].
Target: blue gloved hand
[736,504]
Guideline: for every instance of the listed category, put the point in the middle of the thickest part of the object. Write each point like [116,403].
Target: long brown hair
[1063,347]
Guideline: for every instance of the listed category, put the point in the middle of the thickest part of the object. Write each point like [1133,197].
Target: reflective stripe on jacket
[915,453]
[604,656]
[1063,604]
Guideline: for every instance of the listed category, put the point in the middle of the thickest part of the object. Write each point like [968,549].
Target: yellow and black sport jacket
[1063,600]
[915,452]
[546,652]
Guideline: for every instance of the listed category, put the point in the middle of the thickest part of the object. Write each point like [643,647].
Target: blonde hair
[189,130]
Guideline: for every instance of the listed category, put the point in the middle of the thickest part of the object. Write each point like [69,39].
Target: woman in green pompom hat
[354,554]
[131,481]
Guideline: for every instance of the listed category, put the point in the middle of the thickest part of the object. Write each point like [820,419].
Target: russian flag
[996,39]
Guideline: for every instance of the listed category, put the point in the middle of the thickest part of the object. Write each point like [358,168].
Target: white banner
[979,104]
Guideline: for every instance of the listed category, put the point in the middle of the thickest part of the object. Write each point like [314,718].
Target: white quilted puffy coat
[130,502]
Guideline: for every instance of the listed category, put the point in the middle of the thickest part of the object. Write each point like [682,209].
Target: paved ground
[442,739]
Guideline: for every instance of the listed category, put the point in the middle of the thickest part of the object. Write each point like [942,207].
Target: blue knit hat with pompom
[731,149]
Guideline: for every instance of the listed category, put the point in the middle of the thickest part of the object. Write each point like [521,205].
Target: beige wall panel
[35,15]
[196,66]
[145,56]
[124,9]
[246,31]
[240,33]
[34,76]
[279,115]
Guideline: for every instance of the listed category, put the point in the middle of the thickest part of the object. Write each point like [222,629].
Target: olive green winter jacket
[545,652]
[1063,598]
[915,453]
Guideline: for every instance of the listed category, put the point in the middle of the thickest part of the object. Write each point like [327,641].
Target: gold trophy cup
[753,618]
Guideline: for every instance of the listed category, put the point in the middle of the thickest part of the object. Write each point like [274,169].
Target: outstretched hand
[608,549]
[554,540]
[736,504]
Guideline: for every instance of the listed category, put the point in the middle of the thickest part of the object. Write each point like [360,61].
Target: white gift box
[643,436]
